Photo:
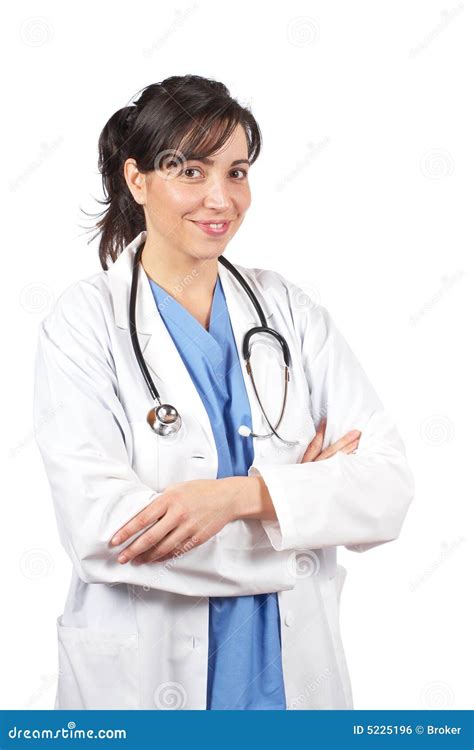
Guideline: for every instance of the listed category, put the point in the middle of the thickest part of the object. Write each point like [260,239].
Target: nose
[217,194]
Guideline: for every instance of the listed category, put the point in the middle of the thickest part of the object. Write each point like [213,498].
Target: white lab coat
[136,637]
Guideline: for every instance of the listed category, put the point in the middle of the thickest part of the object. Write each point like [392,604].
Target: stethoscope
[164,419]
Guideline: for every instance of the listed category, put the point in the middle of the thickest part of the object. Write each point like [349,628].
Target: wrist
[250,499]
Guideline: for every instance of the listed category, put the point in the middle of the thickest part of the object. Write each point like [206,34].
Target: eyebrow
[207,160]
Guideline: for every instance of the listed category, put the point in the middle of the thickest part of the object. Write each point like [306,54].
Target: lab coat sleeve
[358,500]
[81,430]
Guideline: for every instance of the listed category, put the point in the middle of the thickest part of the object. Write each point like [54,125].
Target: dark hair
[192,115]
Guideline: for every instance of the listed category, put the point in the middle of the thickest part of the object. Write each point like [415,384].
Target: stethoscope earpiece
[244,430]
[164,419]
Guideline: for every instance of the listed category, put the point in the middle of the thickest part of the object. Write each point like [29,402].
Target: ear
[135,180]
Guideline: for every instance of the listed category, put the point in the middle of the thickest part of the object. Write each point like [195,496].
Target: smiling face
[181,201]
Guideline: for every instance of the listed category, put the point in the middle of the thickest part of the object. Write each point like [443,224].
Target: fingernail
[122,558]
[115,539]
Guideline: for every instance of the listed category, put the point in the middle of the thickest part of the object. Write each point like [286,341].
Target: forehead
[236,147]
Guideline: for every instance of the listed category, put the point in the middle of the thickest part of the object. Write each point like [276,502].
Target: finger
[166,545]
[180,549]
[316,443]
[339,444]
[174,548]
[153,512]
[351,447]
[150,538]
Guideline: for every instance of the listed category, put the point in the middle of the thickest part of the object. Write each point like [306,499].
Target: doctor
[201,491]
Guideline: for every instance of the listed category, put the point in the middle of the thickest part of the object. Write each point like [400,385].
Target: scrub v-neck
[173,311]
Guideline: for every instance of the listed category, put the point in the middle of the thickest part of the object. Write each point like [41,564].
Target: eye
[190,169]
[234,172]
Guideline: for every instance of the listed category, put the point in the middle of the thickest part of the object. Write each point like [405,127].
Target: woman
[205,572]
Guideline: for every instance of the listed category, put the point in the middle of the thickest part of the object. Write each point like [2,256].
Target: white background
[362,195]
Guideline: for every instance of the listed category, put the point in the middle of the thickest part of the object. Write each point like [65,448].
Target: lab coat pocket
[154,456]
[161,461]
[97,670]
[146,454]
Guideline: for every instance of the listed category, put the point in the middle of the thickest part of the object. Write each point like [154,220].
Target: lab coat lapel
[163,360]
[160,353]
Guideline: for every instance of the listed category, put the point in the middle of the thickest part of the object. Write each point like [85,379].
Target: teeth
[216,226]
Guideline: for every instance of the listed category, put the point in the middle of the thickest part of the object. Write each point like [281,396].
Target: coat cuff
[281,533]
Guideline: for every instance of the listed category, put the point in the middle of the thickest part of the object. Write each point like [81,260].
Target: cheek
[243,199]
[171,202]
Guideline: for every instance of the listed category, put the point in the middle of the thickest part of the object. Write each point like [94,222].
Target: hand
[186,515]
[346,444]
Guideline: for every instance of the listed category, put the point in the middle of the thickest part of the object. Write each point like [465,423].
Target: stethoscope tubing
[262,328]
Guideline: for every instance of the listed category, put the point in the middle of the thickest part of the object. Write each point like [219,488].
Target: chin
[212,248]
[210,253]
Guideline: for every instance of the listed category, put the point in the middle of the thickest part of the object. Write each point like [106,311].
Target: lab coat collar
[120,275]
[159,351]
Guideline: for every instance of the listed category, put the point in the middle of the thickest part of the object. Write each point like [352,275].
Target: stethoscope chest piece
[164,420]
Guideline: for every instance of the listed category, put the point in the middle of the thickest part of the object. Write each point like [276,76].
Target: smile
[216,229]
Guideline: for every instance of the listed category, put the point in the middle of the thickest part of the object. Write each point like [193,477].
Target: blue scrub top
[244,660]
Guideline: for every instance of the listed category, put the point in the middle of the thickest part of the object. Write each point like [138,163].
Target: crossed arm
[190,513]
[81,429]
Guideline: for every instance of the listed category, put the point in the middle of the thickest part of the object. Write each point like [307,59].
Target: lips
[213,228]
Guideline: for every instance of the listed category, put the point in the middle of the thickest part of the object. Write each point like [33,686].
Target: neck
[187,279]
